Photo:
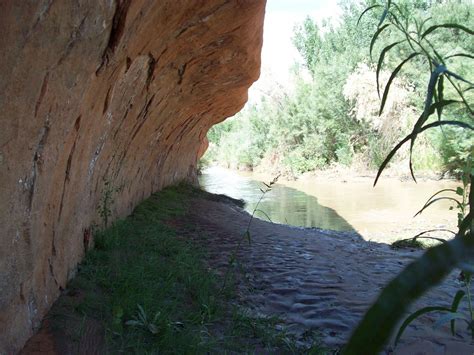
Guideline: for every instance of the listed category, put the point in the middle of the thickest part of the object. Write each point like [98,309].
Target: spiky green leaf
[374,37]
[432,238]
[411,135]
[414,316]
[424,22]
[423,118]
[365,11]
[247,236]
[395,5]
[380,62]
[265,214]
[439,110]
[440,192]
[383,17]
[436,200]
[419,235]
[459,77]
[438,56]
[392,77]
[439,69]
[419,123]
[460,55]
[454,308]
[460,93]
[371,334]
[451,316]
[447,25]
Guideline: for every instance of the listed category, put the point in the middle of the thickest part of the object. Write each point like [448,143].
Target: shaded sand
[316,280]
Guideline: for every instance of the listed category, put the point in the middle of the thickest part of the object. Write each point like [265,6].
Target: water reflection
[283,204]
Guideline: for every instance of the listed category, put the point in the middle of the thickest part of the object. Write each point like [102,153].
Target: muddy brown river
[384,213]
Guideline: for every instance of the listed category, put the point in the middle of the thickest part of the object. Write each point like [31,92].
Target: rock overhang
[96,94]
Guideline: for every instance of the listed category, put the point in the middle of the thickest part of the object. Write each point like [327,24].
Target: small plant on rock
[106,202]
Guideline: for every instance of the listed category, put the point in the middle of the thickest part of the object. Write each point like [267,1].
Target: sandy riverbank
[318,280]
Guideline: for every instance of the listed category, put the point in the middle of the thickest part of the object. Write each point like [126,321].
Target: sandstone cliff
[103,91]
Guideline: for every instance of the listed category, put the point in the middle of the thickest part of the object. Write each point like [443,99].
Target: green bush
[318,123]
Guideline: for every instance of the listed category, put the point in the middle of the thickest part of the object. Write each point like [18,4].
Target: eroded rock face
[97,91]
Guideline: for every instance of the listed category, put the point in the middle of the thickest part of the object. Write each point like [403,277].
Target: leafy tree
[316,125]
[308,42]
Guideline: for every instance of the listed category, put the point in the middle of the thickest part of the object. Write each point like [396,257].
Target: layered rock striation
[103,96]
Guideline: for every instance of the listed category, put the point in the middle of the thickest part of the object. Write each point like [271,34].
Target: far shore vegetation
[330,118]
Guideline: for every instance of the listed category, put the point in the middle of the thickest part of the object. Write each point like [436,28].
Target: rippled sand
[315,279]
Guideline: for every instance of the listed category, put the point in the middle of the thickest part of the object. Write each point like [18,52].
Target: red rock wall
[101,90]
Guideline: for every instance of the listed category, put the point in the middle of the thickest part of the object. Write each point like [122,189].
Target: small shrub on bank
[407,244]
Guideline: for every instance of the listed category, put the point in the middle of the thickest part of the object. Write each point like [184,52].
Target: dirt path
[317,280]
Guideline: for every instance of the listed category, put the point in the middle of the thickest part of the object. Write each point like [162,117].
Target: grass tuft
[151,291]
[408,244]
